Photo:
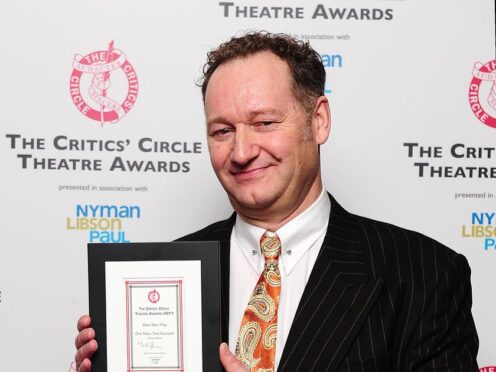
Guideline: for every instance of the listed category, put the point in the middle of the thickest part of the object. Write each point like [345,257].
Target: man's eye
[266,123]
[222,132]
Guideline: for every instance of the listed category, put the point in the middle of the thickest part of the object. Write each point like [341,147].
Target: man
[346,293]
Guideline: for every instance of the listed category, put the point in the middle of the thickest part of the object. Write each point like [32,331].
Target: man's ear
[321,120]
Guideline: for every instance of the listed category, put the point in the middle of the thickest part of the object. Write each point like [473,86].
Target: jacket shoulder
[399,250]
[220,230]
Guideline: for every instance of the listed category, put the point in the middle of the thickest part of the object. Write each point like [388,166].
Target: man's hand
[85,344]
[229,361]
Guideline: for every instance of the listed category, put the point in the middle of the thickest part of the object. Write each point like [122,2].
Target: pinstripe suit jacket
[380,298]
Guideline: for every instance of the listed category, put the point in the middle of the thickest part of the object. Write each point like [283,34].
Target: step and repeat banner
[102,137]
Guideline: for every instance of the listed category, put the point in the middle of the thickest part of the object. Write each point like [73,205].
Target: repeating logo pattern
[483,74]
[91,84]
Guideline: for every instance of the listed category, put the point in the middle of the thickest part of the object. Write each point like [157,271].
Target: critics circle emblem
[103,85]
[483,88]
[153,296]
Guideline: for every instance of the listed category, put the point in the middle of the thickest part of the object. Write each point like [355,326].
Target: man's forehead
[257,72]
[241,89]
[262,112]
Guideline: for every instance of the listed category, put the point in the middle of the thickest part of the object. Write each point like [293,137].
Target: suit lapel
[336,300]
[224,268]
[222,233]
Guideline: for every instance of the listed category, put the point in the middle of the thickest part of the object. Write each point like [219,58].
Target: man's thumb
[229,361]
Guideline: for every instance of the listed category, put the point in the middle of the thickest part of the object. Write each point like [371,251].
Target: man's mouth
[246,174]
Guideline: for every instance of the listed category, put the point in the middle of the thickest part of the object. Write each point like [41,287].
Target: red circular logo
[153,296]
[103,85]
[482,92]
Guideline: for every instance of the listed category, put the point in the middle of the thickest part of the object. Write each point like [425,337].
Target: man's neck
[274,220]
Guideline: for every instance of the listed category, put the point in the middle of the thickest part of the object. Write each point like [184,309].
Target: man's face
[262,149]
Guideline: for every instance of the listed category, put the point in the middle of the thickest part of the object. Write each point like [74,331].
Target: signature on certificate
[149,345]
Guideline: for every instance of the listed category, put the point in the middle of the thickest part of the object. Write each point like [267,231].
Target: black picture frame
[207,252]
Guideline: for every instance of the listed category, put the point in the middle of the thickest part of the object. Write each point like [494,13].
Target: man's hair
[304,63]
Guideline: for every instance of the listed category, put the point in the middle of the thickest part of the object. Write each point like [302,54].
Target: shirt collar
[297,236]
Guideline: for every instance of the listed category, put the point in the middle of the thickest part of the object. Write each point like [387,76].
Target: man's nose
[245,147]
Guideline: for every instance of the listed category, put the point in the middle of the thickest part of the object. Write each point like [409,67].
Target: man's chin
[250,203]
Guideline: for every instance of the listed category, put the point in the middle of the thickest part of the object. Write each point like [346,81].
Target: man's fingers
[85,352]
[85,366]
[85,344]
[229,361]
[83,337]
[83,322]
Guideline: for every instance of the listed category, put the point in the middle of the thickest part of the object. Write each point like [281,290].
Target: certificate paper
[161,314]
[154,325]
[155,314]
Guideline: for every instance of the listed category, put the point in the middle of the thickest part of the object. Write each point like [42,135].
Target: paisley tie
[256,346]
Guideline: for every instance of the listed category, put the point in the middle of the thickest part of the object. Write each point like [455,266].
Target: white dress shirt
[301,239]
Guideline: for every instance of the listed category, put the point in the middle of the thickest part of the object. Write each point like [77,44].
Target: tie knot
[270,245]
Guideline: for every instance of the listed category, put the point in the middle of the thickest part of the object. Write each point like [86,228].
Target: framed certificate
[155,306]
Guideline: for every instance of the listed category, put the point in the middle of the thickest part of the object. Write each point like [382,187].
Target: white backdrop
[399,71]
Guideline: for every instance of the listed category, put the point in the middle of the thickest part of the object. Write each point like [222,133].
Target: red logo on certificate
[482,92]
[153,296]
[103,85]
